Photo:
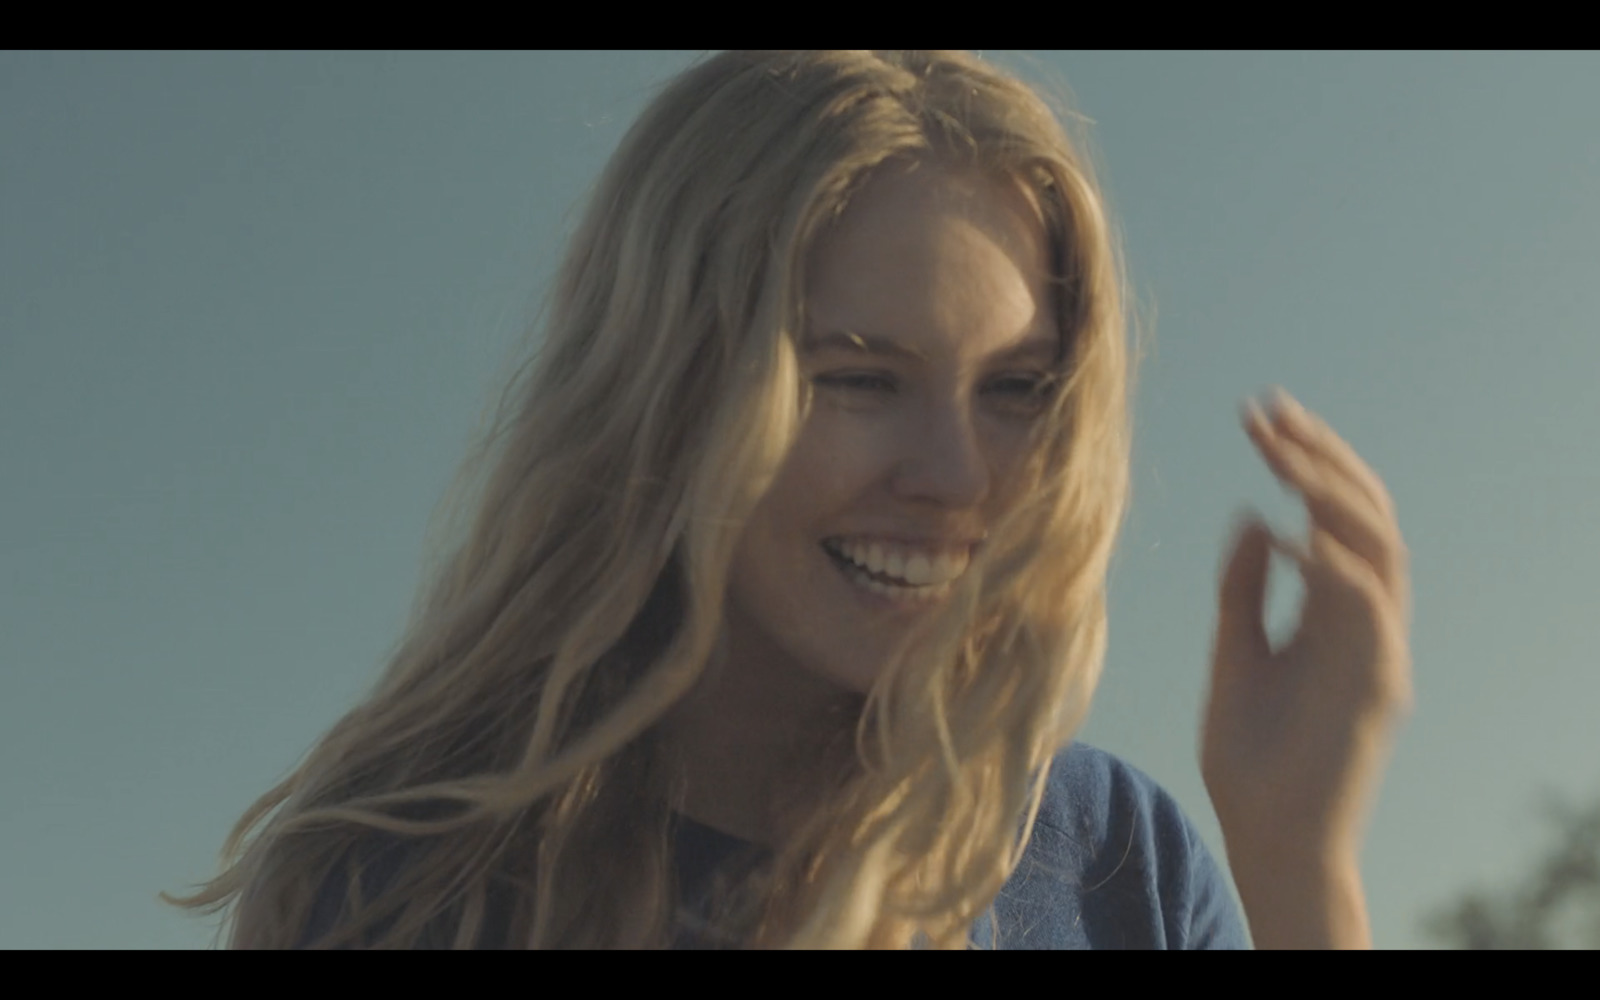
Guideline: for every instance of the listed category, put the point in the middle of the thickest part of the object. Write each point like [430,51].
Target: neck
[756,741]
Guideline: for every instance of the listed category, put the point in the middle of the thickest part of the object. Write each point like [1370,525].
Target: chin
[850,679]
[853,665]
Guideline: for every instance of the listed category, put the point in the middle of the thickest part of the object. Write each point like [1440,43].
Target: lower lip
[919,599]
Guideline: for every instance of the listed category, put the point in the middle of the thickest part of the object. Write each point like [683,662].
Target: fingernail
[1282,402]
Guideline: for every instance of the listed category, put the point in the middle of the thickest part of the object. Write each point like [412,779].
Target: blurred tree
[1557,906]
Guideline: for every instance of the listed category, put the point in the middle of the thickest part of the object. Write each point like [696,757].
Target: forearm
[1309,905]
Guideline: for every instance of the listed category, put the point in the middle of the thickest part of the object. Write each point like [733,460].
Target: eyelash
[867,382]
[1025,387]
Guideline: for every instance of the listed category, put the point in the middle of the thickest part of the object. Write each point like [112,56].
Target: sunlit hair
[576,588]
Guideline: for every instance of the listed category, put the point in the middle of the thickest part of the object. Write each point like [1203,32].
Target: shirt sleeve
[1215,923]
[1112,863]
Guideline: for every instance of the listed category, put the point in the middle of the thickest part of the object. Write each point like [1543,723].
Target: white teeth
[899,594]
[924,575]
[875,558]
[918,570]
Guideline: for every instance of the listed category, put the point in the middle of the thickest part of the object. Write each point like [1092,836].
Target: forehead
[939,260]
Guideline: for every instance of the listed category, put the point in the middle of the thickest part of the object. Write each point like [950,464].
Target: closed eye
[1017,392]
[1026,394]
[1019,385]
[863,381]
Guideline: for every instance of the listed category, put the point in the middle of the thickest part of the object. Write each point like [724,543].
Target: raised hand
[1295,739]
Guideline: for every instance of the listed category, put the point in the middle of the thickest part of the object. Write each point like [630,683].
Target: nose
[943,460]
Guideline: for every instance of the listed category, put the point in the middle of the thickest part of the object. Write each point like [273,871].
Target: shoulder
[1113,862]
[1093,796]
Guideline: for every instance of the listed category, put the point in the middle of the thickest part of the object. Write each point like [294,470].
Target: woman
[786,588]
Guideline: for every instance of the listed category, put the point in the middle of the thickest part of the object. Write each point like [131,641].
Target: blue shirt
[1113,863]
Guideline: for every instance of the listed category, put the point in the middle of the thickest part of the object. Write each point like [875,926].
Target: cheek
[836,460]
[1009,446]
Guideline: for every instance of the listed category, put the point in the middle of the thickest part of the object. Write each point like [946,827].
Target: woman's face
[930,332]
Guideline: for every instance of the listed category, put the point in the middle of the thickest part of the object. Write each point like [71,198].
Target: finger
[1335,574]
[1313,432]
[1336,506]
[1342,516]
[1354,584]
[1331,570]
[1241,627]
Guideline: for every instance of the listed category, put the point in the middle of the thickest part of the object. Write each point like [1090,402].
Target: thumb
[1241,613]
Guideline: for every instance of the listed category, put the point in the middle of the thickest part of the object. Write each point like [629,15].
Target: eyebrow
[862,343]
[848,340]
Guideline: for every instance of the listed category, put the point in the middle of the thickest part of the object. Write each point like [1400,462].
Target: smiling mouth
[888,572]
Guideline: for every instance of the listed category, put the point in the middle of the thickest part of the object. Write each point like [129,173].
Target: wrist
[1311,901]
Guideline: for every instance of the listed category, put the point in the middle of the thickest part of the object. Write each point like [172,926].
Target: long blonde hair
[577,591]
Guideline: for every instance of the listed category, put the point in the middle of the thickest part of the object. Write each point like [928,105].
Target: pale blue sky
[252,306]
